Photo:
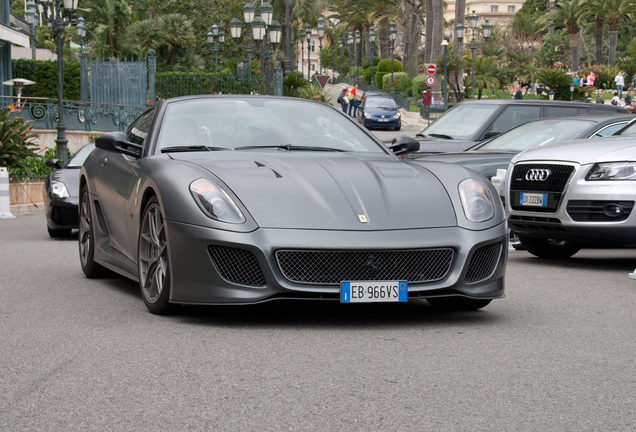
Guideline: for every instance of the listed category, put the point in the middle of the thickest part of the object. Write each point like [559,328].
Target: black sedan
[487,157]
[223,199]
[61,188]
[379,111]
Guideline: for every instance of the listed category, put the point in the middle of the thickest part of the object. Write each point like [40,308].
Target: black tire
[153,262]
[59,233]
[87,238]
[458,303]
[548,248]
[397,128]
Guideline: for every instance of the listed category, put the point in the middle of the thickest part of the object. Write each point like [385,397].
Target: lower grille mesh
[237,266]
[333,267]
[483,262]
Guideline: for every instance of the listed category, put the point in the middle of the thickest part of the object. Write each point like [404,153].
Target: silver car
[565,197]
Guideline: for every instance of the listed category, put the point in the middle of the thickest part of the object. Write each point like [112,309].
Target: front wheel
[549,248]
[397,128]
[457,303]
[154,267]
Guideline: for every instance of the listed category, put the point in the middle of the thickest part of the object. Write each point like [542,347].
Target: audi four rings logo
[538,174]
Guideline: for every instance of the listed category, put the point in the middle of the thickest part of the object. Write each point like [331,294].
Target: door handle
[105,161]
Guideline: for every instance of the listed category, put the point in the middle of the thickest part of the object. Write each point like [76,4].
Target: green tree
[571,14]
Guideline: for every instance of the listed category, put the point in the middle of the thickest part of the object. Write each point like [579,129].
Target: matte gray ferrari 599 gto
[244,199]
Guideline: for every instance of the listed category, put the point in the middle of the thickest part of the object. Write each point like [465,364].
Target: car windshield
[380,102]
[256,122]
[535,134]
[462,121]
[78,159]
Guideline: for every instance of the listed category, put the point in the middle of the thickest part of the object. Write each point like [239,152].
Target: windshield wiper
[289,147]
[441,136]
[191,148]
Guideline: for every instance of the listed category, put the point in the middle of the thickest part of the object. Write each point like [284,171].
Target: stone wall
[76,139]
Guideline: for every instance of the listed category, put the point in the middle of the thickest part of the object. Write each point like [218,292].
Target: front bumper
[374,123]
[195,279]
[566,224]
[61,213]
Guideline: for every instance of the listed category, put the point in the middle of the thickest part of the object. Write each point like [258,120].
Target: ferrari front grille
[237,266]
[483,263]
[333,267]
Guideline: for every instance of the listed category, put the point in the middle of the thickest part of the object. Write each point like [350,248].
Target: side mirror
[54,163]
[403,144]
[118,142]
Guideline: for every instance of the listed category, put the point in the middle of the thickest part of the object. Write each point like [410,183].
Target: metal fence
[42,113]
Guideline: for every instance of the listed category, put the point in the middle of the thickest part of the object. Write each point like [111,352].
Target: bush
[44,73]
[17,140]
[406,86]
[419,85]
[397,77]
[384,67]
[605,75]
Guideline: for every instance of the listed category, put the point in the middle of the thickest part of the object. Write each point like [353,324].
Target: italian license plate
[373,291]
[383,120]
[535,200]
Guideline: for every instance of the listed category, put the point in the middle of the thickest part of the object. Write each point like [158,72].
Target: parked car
[61,189]
[494,154]
[471,122]
[379,111]
[569,196]
[243,199]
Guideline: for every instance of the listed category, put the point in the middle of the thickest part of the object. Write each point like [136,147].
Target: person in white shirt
[620,83]
[615,100]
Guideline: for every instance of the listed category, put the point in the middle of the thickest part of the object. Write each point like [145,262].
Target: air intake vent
[237,266]
[483,263]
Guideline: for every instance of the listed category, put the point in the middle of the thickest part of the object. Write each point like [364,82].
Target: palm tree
[486,74]
[613,11]
[571,14]
[596,9]
[175,31]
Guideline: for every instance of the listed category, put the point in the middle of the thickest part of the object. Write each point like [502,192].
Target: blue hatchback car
[379,110]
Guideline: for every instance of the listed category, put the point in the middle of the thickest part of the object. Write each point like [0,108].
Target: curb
[22,209]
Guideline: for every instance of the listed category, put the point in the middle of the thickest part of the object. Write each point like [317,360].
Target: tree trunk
[587,51]
[383,38]
[613,37]
[574,50]
[411,10]
[428,37]
[598,36]
[436,48]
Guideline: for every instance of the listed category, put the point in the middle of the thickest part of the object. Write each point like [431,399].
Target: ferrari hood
[585,151]
[323,190]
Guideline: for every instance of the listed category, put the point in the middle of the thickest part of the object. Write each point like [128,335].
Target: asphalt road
[557,354]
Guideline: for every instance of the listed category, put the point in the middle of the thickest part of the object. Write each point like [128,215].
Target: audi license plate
[373,291]
[533,199]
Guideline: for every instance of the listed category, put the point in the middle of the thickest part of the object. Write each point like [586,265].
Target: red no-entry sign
[431,69]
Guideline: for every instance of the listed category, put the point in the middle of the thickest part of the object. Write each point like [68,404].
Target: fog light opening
[613,210]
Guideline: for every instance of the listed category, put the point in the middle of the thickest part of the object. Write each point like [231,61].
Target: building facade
[499,12]
[8,36]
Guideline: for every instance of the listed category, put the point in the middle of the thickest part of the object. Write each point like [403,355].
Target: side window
[140,128]
[514,115]
[552,111]
[609,130]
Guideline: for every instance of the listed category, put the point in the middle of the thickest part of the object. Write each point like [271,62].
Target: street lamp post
[32,17]
[392,39]
[308,37]
[372,40]
[459,29]
[349,42]
[274,35]
[356,39]
[81,32]
[258,32]
[302,56]
[340,45]
[321,34]
[572,92]
[235,28]
[445,45]
[58,24]
[214,34]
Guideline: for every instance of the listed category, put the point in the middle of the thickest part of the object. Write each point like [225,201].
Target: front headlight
[215,202]
[58,190]
[367,115]
[613,171]
[397,116]
[476,201]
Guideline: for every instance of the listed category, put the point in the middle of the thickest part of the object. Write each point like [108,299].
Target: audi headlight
[215,202]
[397,116]
[476,201]
[367,115]
[58,190]
[613,171]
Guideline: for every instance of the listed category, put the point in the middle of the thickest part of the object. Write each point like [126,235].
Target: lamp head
[235,27]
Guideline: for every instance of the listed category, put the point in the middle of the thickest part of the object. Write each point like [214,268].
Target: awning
[14,36]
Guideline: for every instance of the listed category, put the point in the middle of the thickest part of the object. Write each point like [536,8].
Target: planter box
[26,193]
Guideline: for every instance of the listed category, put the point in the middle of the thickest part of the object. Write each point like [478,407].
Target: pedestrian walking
[518,95]
[353,101]
[620,83]
[343,100]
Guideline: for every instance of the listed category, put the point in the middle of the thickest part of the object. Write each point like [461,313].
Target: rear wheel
[87,238]
[549,248]
[458,303]
[58,233]
[154,267]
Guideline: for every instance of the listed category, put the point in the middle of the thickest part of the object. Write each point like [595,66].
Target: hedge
[44,73]
[397,76]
